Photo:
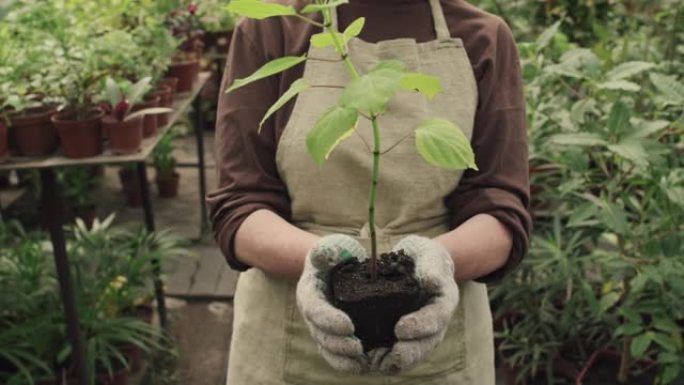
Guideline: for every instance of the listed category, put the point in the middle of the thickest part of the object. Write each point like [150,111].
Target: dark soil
[605,372]
[375,306]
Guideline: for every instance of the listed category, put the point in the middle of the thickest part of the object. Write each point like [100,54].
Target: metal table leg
[52,203]
[199,134]
[149,222]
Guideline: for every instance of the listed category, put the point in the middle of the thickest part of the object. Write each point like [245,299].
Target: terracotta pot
[124,137]
[33,132]
[86,214]
[168,186]
[613,358]
[165,100]
[170,82]
[4,142]
[80,138]
[134,356]
[149,121]
[186,72]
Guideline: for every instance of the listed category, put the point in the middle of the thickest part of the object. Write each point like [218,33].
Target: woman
[274,207]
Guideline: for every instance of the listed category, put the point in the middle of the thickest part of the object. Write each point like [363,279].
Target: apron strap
[441,27]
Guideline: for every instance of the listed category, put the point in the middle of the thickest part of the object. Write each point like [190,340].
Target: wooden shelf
[180,105]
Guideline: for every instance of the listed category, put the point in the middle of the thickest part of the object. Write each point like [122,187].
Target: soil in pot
[375,306]
[33,133]
[124,137]
[4,142]
[168,184]
[149,121]
[186,72]
[165,100]
[603,367]
[80,138]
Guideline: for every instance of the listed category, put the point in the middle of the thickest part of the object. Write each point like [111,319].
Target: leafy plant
[121,98]
[439,141]
[163,158]
[77,185]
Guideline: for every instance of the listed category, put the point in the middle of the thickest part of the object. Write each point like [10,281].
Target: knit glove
[420,332]
[331,328]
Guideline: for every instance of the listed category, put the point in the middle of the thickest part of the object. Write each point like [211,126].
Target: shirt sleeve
[245,159]
[501,186]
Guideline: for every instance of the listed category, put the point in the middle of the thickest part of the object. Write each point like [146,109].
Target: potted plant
[77,185]
[124,127]
[217,24]
[185,65]
[439,141]
[167,177]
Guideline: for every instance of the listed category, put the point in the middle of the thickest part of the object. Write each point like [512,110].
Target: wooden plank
[209,272]
[227,282]
[181,104]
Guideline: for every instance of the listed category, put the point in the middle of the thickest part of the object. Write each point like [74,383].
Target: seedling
[439,141]
[120,100]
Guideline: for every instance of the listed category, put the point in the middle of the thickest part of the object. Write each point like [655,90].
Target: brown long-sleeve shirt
[248,177]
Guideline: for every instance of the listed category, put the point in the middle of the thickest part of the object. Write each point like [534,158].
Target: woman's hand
[420,332]
[331,328]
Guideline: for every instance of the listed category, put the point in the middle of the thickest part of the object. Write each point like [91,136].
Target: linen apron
[271,345]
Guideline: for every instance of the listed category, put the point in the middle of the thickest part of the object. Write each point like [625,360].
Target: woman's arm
[480,246]
[270,243]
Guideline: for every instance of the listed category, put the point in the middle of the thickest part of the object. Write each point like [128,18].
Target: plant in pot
[167,177]
[125,128]
[217,24]
[77,185]
[185,66]
[373,308]
[27,86]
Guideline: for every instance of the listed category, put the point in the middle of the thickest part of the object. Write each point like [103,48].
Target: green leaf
[443,144]
[618,120]
[578,139]
[112,91]
[669,87]
[354,29]
[259,9]
[639,345]
[632,150]
[311,8]
[545,38]
[670,373]
[335,125]
[646,128]
[628,69]
[271,68]
[608,300]
[325,39]
[297,86]
[582,213]
[372,91]
[665,341]
[620,85]
[614,217]
[138,90]
[628,329]
[428,85]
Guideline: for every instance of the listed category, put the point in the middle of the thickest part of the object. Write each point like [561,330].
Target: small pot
[80,138]
[611,357]
[168,186]
[165,100]
[170,82]
[124,137]
[33,132]
[4,142]
[86,214]
[186,72]
[134,356]
[149,121]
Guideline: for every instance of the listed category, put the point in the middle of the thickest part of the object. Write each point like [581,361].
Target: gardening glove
[331,328]
[420,332]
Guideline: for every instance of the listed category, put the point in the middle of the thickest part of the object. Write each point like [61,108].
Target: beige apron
[271,344]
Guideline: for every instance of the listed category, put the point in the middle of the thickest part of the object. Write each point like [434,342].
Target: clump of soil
[375,306]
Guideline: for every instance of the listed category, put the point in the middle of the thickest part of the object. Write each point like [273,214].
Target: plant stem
[371,200]
[342,50]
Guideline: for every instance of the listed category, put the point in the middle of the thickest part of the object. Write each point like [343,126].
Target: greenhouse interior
[331,192]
